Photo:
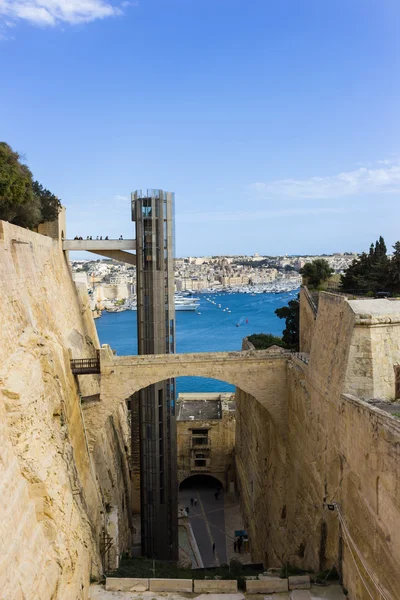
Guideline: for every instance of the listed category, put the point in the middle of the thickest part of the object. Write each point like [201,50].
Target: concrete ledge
[269,585]
[126,584]
[299,582]
[171,585]
[218,586]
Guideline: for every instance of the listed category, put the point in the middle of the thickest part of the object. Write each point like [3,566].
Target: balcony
[201,441]
[200,465]
[85,366]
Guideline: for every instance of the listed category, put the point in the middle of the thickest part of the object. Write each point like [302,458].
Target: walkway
[208,523]
[214,521]
[93,245]
[115,249]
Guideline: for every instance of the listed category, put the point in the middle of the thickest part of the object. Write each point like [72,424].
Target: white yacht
[181,303]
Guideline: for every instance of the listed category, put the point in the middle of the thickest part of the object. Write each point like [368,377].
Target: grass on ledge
[143,567]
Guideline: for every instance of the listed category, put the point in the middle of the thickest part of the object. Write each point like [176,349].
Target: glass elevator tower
[153,212]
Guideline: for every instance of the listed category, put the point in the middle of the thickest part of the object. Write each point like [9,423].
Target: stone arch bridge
[260,373]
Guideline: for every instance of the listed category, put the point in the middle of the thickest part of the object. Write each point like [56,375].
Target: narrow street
[213,520]
[208,523]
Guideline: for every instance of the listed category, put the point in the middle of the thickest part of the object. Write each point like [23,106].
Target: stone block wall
[53,487]
[338,449]
[374,349]
[260,455]
[307,319]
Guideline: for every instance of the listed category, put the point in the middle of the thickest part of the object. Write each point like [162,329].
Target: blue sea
[210,331]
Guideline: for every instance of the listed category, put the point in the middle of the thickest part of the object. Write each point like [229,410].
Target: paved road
[208,523]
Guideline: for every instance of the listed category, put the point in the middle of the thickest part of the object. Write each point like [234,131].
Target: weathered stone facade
[61,481]
[206,443]
[308,315]
[338,449]
[305,435]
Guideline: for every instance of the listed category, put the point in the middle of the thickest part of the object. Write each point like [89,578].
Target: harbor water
[209,329]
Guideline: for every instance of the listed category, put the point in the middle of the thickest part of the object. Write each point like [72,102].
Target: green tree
[316,272]
[394,269]
[370,272]
[18,204]
[50,205]
[291,314]
[262,341]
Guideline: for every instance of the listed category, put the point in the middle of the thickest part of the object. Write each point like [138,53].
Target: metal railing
[86,366]
[200,441]
[303,356]
[310,300]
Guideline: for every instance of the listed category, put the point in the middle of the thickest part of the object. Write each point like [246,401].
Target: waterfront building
[152,212]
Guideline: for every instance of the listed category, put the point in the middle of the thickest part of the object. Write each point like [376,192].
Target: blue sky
[276,122]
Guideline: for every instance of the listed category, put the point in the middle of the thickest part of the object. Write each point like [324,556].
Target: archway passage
[201,481]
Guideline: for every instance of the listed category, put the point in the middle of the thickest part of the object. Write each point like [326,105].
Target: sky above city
[275,122]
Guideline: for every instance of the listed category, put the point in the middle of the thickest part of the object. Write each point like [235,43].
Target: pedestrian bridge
[260,373]
[116,249]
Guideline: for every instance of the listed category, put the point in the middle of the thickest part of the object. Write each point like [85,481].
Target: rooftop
[203,407]
[199,410]
[373,307]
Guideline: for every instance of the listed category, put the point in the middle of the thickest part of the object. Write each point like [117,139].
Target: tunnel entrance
[194,482]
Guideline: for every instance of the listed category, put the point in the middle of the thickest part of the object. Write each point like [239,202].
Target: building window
[200,437]
[200,460]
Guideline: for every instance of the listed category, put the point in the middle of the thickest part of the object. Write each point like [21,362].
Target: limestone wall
[374,349]
[261,474]
[338,449]
[307,319]
[52,489]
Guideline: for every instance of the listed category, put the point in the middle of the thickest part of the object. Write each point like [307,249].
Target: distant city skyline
[275,124]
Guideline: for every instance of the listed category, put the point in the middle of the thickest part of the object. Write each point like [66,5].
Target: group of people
[89,237]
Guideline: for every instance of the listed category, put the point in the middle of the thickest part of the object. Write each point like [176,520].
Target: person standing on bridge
[213,547]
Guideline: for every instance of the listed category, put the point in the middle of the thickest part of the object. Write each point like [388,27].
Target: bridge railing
[86,366]
[201,441]
[303,356]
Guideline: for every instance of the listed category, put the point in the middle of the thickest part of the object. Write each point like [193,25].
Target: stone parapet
[268,585]
[171,585]
[126,584]
[215,586]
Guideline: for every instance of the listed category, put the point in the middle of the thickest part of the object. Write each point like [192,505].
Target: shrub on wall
[23,202]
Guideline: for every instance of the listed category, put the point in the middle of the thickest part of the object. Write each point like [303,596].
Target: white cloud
[119,198]
[254,215]
[364,181]
[52,12]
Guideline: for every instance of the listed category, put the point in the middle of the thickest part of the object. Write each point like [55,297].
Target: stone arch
[213,479]
[261,374]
